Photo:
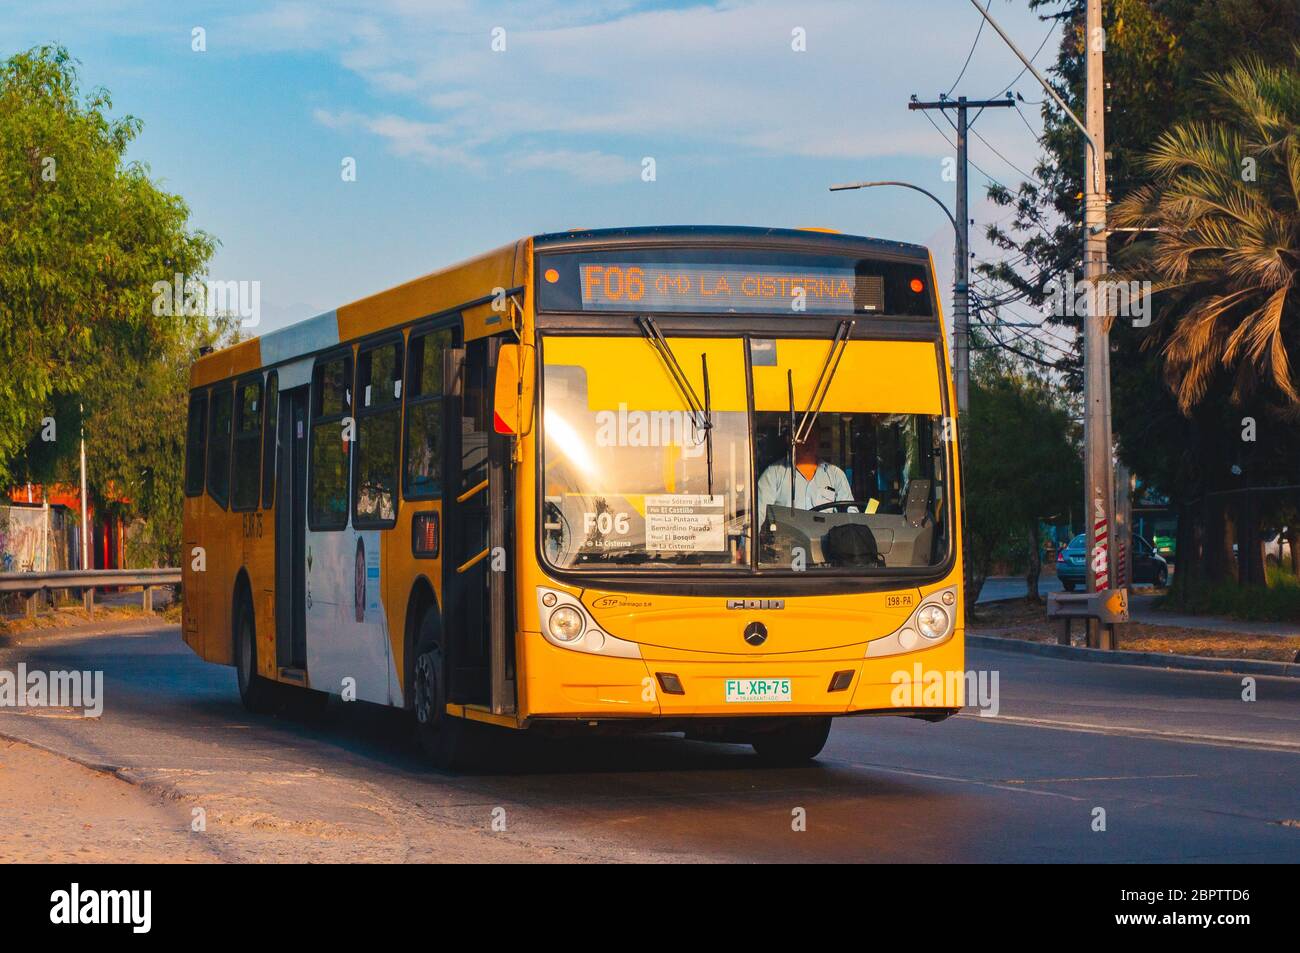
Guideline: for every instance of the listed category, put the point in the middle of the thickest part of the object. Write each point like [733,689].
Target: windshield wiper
[839,344]
[701,410]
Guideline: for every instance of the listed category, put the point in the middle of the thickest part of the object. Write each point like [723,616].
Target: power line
[1043,328]
[1045,350]
[968,55]
[1008,347]
[1031,178]
[954,145]
[1059,352]
[1050,30]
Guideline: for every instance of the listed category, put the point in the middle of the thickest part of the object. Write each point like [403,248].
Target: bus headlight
[566,624]
[933,621]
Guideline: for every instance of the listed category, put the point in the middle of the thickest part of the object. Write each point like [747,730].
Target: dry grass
[67,616]
[1020,620]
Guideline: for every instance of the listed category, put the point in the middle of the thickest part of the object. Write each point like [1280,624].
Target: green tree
[135,437]
[1223,239]
[84,234]
[1222,248]
[1021,464]
[1156,54]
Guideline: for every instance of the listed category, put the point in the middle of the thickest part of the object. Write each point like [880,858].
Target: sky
[474,124]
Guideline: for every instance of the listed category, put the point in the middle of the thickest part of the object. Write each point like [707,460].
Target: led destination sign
[729,282]
[618,286]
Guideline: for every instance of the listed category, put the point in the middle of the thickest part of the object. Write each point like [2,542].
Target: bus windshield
[626,468]
[628,479]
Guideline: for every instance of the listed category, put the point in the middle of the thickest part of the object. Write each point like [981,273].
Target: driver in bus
[816,481]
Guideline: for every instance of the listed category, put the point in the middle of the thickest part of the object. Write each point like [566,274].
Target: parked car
[1148,565]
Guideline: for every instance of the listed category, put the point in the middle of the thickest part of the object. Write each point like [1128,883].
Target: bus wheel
[440,734]
[257,694]
[795,742]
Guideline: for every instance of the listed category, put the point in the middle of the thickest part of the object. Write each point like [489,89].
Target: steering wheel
[862,504]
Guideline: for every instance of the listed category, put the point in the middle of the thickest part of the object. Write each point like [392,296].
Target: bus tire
[441,736]
[793,743]
[257,694]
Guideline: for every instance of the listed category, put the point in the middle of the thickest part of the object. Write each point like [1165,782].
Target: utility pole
[1098,462]
[1098,466]
[85,541]
[1122,564]
[961,277]
[87,595]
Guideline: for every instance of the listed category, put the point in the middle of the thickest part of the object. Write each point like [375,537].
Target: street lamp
[905,185]
[960,289]
[960,332]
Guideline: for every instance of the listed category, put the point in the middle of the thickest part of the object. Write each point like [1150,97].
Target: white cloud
[576,76]
[404,136]
[592,166]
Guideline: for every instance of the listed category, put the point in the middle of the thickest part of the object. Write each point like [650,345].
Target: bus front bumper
[672,684]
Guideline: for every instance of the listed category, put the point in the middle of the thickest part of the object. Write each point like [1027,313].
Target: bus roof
[730,234]
[468,286]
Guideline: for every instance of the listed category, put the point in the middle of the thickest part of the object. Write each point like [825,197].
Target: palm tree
[1223,208]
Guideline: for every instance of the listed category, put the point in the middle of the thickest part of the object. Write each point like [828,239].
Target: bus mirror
[513,397]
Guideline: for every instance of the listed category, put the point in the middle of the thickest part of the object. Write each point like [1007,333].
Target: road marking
[1118,777]
[1221,741]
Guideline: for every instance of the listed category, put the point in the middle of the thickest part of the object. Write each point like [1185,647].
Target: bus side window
[269,439]
[219,445]
[331,403]
[196,443]
[422,470]
[379,417]
[248,445]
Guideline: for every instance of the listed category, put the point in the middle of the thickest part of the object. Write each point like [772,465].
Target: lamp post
[960,332]
[960,292]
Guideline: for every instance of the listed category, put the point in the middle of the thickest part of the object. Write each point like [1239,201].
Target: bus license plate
[758,690]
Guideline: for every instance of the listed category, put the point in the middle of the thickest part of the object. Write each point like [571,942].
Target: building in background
[40,531]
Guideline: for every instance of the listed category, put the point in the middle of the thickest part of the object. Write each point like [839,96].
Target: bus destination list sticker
[684,522]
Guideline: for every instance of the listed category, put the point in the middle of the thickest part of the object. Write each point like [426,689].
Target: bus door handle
[473,561]
[472,492]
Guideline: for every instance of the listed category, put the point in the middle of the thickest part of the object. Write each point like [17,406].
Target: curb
[1191,663]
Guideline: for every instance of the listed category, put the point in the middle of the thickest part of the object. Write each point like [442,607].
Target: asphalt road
[1184,769]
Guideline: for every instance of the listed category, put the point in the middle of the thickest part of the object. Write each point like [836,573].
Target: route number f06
[606,523]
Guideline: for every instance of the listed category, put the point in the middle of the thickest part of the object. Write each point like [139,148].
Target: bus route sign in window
[722,282]
[618,285]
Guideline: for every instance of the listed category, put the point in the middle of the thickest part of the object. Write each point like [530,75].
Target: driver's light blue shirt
[828,485]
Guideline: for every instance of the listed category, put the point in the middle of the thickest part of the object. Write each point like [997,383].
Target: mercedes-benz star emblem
[756,633]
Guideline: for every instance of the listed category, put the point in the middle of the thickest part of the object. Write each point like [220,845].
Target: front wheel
[257,694]
[1067,586]
[793,743]
[441,736]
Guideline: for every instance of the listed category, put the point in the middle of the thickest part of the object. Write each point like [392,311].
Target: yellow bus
[677,479]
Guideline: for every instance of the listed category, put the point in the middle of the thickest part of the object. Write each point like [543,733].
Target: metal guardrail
[1109,608]
[32,584]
